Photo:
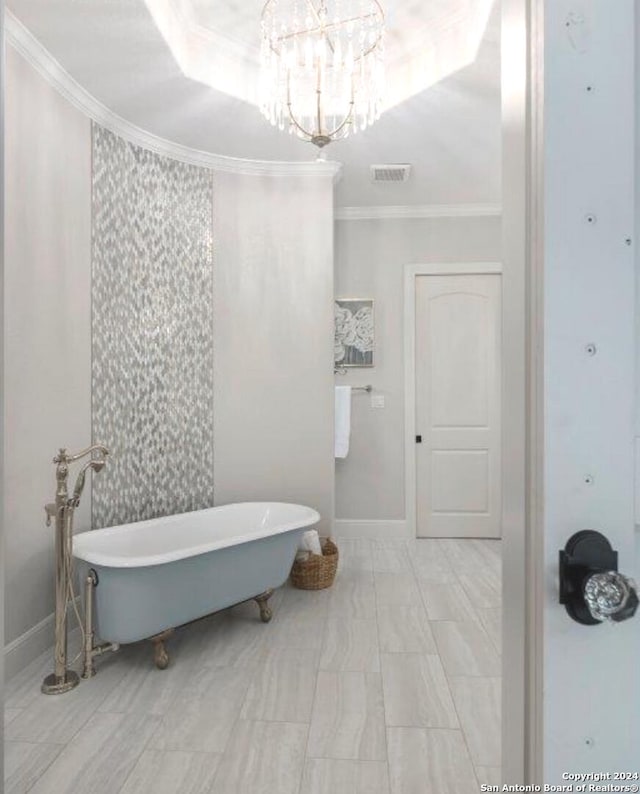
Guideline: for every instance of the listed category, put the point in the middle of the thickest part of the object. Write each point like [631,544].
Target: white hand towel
[309,544]
[343,421]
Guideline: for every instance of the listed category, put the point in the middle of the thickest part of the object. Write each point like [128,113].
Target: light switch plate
[377,400]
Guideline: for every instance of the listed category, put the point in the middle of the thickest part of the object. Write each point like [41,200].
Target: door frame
[411,273]
[523,587]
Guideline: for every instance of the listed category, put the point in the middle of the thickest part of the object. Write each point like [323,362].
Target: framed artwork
[354,332]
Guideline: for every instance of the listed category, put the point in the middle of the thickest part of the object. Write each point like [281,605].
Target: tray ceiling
[449,132]
[218,42]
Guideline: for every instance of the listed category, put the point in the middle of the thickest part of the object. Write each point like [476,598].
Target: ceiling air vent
[390,172]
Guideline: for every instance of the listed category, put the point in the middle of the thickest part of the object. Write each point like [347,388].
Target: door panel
[591,673]
[458,405]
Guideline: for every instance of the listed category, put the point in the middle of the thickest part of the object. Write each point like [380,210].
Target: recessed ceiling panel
[217,42]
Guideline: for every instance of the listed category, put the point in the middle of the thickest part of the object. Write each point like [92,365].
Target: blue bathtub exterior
[132,604]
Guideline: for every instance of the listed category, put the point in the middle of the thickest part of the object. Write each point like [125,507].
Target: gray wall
[47,326]
[273,289]
[369,263]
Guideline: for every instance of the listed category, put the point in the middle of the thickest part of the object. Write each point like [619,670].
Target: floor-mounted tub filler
[143,580]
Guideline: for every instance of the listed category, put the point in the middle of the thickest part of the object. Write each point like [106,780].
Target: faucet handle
[50,511]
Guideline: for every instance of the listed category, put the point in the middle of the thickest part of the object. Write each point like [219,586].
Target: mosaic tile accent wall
[152,332]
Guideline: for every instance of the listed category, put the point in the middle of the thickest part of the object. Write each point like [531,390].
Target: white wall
[370,260]
[47,367]
[273,409]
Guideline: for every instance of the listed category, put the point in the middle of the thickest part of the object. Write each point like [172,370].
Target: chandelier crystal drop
[322,66]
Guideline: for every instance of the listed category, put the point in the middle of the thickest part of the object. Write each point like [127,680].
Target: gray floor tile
[478,704]
[25,762]
[292,632]
[446,601]
[405,630]
[100,757]
[348,717]
[489,775]
[483,588]
[426,761]
[282,688]
[304,604]
[464,555]
[465,649]
[390,556]
[57,719]
[226,641]
[262,758]
[491,620]
[416,693]
[345,777]
[430,562]
[353,596]
[143,689]
[350,645]
[396,589]
[354,554]
[10,715]
[202,715]
[24,687]
[175,772]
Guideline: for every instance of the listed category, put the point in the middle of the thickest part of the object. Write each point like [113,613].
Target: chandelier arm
[330,26]
[321,27]
[295,123]
[329,134]
[347,120]
[319,99]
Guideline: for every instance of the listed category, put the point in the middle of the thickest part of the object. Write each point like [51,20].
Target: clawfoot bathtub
[155,575]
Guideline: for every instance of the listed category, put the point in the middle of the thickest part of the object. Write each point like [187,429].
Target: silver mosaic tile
[152,332]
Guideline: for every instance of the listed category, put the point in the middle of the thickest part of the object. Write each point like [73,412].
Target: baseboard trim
[28,646]
[377,529]
[35,641]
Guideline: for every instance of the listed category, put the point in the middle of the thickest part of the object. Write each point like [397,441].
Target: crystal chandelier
[321,66]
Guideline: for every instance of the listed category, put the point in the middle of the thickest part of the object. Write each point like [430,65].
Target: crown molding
[25,43]
[418,211]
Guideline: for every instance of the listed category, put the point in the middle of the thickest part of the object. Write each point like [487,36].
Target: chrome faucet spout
[82,454]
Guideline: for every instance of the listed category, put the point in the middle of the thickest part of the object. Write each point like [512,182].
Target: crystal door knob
[591,588]
[610,596]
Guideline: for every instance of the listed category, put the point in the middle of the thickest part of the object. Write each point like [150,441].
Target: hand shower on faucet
[95,465]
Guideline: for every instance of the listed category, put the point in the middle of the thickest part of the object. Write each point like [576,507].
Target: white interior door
[457,348]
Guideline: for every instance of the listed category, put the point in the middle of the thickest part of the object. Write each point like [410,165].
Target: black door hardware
[418,439]
[591,588]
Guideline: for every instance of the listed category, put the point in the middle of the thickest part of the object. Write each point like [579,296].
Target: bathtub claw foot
[263,603]
[160,654]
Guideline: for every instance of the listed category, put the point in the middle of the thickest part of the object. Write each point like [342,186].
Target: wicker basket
[316,573]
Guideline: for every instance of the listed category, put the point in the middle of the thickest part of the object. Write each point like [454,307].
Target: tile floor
[389,683]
